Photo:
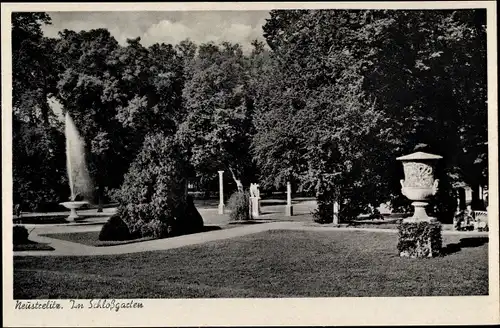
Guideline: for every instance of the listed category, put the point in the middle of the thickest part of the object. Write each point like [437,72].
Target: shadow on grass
[41,219]
[247,222]
[32,246]
[84,223]
[464,243]
[211,228]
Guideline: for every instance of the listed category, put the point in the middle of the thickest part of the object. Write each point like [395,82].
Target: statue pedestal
[419,239]
[254,207]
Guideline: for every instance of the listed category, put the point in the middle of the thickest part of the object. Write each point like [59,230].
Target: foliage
[330,103]
[419,239]
[116,95]
[324,213]
[239,205]
[38,158]
[39,175]
[20,235]
[34,67]
[115,229]
[348,91]
[320,127]
[152,197]
[218,124]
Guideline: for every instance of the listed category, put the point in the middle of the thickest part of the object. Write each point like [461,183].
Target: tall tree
[218,125]
[116,95]
[34,67]
[355,89]
[38,145]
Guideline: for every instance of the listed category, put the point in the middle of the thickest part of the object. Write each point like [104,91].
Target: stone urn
[419,184]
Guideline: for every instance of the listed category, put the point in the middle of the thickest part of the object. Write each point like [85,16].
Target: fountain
[78,176]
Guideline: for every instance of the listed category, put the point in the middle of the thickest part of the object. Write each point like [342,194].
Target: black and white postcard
[246,164]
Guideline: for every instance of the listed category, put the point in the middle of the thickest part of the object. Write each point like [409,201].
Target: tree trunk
[99,199]
[239,185]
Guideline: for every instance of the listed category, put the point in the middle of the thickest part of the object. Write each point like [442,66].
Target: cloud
[169,32]
[169,27]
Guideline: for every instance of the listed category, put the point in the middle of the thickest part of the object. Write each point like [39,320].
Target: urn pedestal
[419,235]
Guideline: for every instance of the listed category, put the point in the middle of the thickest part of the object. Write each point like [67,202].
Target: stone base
[335,219]
[221,208]
[72,215]
[254,207]
[289,210]
[419,239]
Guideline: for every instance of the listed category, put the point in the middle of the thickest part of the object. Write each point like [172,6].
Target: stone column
[289,207]
[335,212]
[221,193]
[468,196]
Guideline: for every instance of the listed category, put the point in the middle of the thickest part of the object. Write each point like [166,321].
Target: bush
[239,205]
[153,195]
[324,213]
[20,235]
[115,229]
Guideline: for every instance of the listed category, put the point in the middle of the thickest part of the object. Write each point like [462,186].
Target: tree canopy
[327,102]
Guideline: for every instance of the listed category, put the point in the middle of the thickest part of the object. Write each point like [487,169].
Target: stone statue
[254,190]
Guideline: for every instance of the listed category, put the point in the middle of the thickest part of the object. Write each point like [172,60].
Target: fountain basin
[73,206]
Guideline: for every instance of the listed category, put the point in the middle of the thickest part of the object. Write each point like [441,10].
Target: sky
[168,27]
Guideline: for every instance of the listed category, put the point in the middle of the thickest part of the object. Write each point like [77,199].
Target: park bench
[480,220]
[475,220]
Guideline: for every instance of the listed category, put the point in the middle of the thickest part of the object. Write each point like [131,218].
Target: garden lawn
[268,264]
[91,238]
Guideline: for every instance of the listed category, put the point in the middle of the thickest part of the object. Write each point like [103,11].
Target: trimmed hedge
[192,221]
[324,213]
[419,239]
[20,235]
[239,205]
[115,229]
[153,198]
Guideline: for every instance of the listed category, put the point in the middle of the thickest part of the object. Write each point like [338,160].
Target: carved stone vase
[419,184]
[419,235]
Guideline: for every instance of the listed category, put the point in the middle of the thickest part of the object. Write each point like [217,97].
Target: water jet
[78,176]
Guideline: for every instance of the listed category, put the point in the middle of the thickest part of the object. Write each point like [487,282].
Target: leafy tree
[34,68]
[428,72]
[352,90]
[116,95]
[38,144]
[218,124]
[87,92]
